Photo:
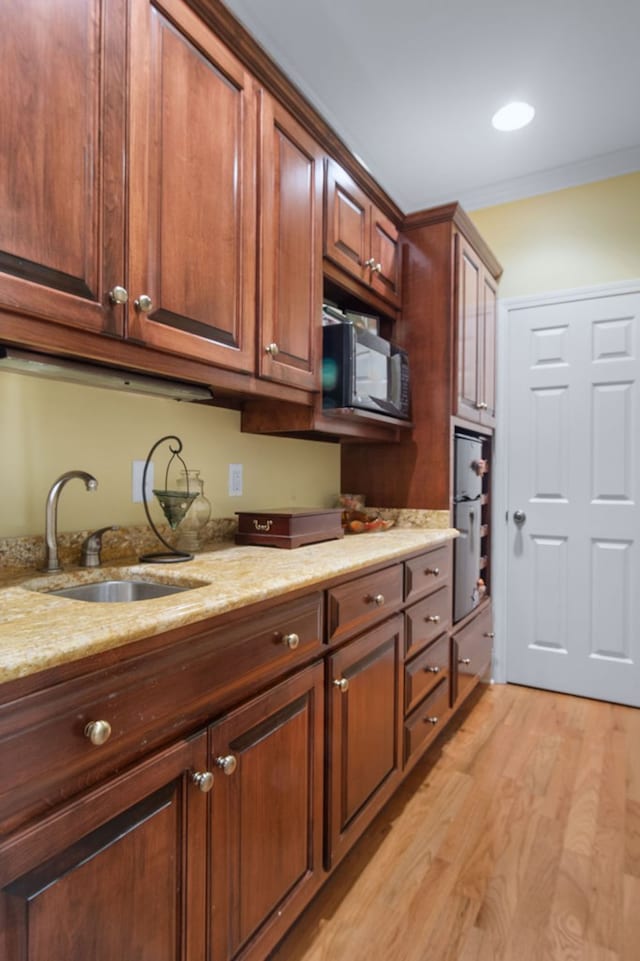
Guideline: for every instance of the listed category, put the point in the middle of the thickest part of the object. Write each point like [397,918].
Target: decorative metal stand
[174,503]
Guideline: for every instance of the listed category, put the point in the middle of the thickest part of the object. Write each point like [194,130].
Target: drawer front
[146,701]
[426,671]
[472,650]
[353,606]
[427,573]
[427,619]
[426,721]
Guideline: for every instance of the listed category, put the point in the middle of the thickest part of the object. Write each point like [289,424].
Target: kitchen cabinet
[364,704]
[448,328]
[119,872]
[472,649]
[359,237]
[192,196]
[290,293]
[476,310]
[62,70]
[427,650]
[266,815]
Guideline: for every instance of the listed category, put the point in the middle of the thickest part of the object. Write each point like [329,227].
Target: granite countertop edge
[40,631]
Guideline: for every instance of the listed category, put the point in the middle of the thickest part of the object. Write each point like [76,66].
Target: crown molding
[608,165]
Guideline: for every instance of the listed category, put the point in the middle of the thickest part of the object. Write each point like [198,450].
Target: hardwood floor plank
[517,838]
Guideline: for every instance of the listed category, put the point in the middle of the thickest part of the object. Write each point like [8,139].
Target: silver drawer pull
[98,732]
[203,780]
[432,570]
[378,599]
[432,670]
[342,684]
[464,660]
[291,641]
[431,720]
[489,634]
[433,618]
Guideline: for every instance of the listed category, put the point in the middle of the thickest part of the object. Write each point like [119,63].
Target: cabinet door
[266,842]
[192,207]
[385,272]
[114,875]
[470,299]
[290,312]
[488,363]
[61,160]
[364,724]
[347,223]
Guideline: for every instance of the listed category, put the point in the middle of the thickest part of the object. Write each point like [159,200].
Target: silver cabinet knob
[378,599]
[519,517]
[431,720]
[227,764]
[291,641]
[432,570]
[203,780]
[144,304]
[432,670]
[489,634]
[377,268]
[464,660]
[118,295]
[433,619]
[481,405]
[370,262]
[272,349]
[98,732]
[342,684]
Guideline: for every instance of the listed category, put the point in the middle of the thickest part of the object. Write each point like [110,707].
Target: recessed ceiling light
[513,116]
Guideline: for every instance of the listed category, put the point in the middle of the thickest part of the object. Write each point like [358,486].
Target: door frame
[500,481]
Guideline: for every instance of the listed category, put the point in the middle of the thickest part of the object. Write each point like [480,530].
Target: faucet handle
[92,546]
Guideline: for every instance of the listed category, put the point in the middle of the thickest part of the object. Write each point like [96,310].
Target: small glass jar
[191,530]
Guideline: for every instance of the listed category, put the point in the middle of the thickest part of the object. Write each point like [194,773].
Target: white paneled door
[573,481]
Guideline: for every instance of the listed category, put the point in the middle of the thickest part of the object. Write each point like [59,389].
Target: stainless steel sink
[116,592]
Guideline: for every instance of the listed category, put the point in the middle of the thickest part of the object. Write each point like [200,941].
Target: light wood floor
[516,839]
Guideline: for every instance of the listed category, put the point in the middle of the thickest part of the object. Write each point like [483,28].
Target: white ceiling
[411,85]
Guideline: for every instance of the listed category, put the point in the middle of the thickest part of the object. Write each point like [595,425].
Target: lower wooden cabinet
[471,652]
[266,815]
[119,873]
[364,704]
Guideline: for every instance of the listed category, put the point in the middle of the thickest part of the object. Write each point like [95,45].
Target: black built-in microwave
[365,371]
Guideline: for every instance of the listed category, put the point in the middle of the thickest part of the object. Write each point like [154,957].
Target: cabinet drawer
[363,601]
[426,671]
[427,619]
[426,721]
[471,652]
[146,701]
[427,573]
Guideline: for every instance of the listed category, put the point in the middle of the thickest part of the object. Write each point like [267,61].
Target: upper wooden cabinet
[476,333]
[61,160]
[448,327]
[359,238]
[192,196]
[290,256]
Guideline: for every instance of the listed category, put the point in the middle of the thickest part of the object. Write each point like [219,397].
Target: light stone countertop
[38,631]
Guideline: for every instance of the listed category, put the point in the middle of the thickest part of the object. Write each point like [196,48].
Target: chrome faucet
[51,563]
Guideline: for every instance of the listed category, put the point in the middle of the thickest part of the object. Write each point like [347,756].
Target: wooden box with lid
[289,526]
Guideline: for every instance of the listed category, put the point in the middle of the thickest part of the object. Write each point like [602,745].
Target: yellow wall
[48,427]
[570,238]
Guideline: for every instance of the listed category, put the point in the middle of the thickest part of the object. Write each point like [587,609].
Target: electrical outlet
[235,480]
[136,481]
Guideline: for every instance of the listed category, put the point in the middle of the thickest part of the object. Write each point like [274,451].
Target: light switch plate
[137,470]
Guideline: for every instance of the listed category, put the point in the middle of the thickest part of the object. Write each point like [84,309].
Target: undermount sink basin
[118,591]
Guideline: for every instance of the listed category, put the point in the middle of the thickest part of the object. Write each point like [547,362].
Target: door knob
[227,764]
[118,295]
[144,304]
[203,780]
[519,517]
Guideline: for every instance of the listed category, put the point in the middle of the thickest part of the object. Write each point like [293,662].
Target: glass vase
[191,531]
